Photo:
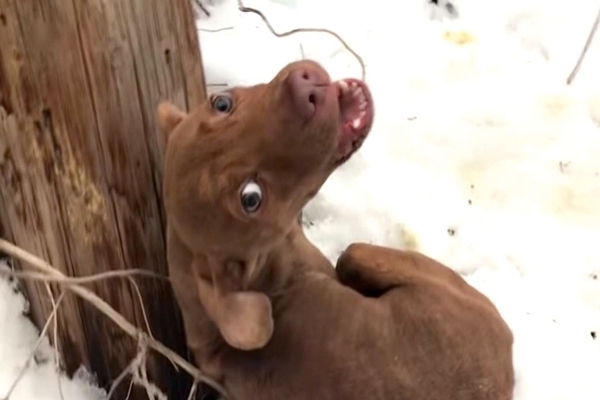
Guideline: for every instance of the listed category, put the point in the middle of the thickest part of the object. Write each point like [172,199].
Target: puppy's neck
[280,267]
[290,259]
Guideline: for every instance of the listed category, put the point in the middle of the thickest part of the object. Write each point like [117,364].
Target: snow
[481,156]
[17,341]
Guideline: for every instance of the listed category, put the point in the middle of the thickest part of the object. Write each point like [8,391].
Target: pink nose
[306,90]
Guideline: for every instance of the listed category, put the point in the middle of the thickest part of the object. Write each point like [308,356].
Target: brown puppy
[265,313]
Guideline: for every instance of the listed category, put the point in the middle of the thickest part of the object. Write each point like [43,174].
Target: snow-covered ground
[18,337]
[480,156]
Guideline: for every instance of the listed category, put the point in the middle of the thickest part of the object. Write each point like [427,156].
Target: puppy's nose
[306,91]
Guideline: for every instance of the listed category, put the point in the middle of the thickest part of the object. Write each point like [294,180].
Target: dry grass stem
[138,293]
[129,390]
[227,28]
[55,340]
[202,7]
[193,391]
[83,279]
[55,275]
[139,376]
[243,8]
[588,42]
[122,376]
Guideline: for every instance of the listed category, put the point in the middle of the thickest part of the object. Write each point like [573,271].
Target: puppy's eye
[222,103]
[251,197]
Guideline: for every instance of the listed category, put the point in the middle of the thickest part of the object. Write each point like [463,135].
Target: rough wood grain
[80,163]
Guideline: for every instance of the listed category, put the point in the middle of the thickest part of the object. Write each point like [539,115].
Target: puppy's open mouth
[356,117]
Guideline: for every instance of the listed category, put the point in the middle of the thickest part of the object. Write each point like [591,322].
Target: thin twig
[193,391]
[83,279]
[35,347]
[243,8]
[588,42]
[96,277]
[111,313]
[144,314]
[136,288]
[122,376]
[55,340]
[202,7]
[139,374]
[227,28]
[129,390]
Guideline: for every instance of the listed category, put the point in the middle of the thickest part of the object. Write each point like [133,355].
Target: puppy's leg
[373,270]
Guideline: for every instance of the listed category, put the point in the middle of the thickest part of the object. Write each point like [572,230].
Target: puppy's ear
[169,116]
[244,318]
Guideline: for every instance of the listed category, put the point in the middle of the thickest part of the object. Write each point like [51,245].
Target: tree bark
[81,161]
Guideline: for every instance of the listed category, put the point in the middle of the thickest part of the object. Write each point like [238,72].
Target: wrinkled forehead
[273,84]
[257,90]
[258,119]
[261,131]
[247,136]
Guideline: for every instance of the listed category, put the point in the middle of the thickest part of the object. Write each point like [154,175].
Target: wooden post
[81,166]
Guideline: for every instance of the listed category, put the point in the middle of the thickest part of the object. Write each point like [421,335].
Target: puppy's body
[265,312]
[430,337]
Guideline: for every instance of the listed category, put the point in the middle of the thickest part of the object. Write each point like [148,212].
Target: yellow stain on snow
[408,238]
[459,37]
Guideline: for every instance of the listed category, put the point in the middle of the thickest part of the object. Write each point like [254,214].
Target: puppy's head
[240,167]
